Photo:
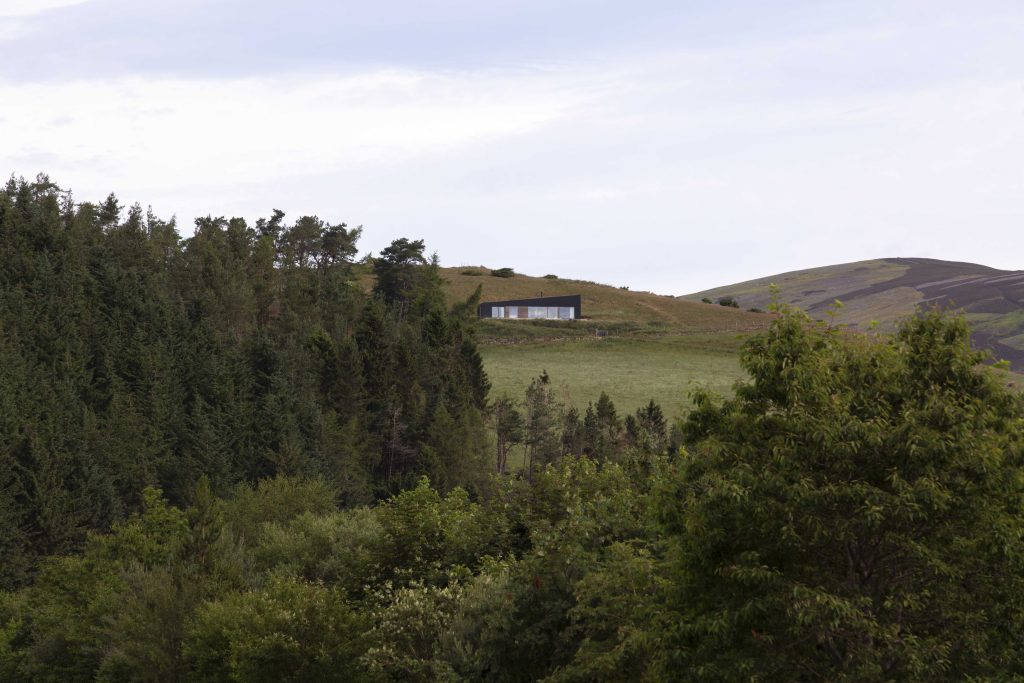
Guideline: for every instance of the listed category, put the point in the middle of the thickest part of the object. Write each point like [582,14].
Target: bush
[471,271]
[503,272]
[729,302]
[550,276]
[707,300]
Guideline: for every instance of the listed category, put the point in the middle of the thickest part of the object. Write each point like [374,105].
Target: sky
[669,146]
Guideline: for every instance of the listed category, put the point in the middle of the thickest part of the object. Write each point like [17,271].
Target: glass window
[512,312]
[497,311]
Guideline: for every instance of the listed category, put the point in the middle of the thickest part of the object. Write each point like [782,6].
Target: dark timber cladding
[540,308]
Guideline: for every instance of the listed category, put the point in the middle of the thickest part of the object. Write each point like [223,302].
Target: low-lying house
[540,308]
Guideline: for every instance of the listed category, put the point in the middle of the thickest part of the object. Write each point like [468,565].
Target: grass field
[634,346]
[630,370]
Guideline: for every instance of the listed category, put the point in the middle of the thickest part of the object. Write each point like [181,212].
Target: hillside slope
[884,290]
[636,346]
[604,304]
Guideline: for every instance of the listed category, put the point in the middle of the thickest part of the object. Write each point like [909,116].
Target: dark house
[542,308]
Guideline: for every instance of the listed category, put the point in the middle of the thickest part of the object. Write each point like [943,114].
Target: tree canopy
[222,459]
[854,512]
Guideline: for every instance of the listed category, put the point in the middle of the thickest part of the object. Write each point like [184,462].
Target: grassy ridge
[606,304]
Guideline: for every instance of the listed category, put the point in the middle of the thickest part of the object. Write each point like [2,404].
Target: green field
[631,370]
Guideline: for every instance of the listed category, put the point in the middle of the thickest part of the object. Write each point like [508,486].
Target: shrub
[729,302]
[471,271]
[707,300]
[550,276]
[503,272]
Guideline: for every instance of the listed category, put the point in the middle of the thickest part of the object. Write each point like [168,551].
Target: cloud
[671,168]
[178,133]
[26,8]
[16,16]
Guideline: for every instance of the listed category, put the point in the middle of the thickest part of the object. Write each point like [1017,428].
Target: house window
[533,312]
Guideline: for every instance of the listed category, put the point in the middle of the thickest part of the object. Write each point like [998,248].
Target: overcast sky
[670,146]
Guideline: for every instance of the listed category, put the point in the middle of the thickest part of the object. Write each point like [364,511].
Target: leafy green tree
[617,617]
[854,513]
[426,535]
[341,549]
[114,609]
[287,630]
[275,500]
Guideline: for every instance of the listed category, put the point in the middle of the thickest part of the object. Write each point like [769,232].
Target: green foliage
[503,272]
[426,535]
[403,273]
[287,630]
[404,641]
[455,449]
[853,513]
[130,357]
[647,429]
[219,460]
[616,617]
[117,611]
[550,276]
[344,549]
[275,500]
[473,272]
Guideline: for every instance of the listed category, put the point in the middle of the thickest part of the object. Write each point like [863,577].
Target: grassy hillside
[634,345]
[631,370]
[883,290]
[606,305]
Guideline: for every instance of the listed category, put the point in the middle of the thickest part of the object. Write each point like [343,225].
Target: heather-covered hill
[883,290]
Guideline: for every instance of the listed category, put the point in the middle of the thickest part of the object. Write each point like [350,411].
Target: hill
[633,345]
[603,305]
[884,290]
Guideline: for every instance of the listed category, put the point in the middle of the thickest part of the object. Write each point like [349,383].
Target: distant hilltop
[885,290]
[601,303]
